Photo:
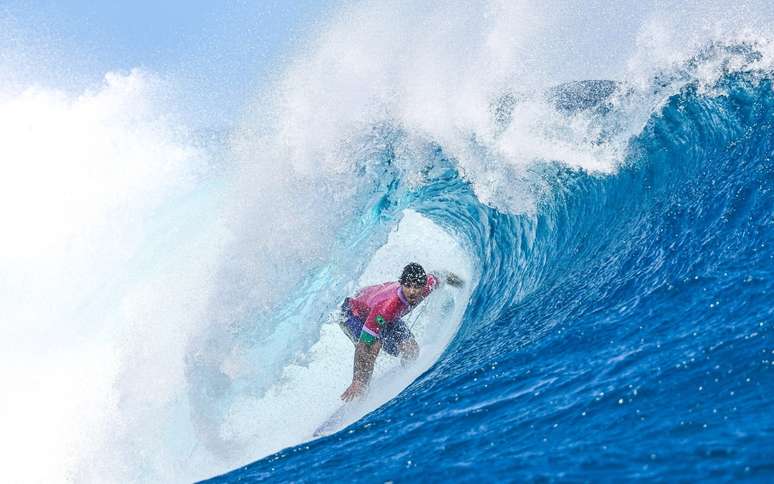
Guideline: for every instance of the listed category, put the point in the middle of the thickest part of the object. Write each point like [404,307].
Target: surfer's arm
[367,348]
[365,356]
[363,368]
[449,278]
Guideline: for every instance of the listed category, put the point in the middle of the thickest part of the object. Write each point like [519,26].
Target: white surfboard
[382,390]
[333,423]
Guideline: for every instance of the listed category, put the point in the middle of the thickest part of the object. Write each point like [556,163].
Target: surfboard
[333,423]
[390,385]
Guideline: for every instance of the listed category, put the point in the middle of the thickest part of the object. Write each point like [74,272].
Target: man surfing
[372,321]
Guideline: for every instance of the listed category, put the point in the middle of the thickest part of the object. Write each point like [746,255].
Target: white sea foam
[87,339]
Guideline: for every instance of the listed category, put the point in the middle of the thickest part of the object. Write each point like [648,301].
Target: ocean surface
[169,294]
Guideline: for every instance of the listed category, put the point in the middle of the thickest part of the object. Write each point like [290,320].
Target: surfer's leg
[398,341]
[409,351]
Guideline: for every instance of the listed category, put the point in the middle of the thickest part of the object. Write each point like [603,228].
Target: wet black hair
[413,275]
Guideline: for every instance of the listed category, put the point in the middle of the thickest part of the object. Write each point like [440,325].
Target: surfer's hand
[355,390]
[454,280]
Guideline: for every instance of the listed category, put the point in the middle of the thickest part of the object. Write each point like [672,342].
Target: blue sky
[216,53]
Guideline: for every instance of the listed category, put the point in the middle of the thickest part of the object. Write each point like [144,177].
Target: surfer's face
[412,293]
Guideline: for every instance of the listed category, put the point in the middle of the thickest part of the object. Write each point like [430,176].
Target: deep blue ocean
[621,331]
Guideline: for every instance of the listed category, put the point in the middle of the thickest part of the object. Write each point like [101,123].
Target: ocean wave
[620,325]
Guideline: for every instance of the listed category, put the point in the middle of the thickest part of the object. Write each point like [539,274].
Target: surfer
[372,321]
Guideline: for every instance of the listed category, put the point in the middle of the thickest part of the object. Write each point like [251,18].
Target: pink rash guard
[384,304]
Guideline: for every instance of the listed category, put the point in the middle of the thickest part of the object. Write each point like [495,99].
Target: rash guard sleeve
[433,283]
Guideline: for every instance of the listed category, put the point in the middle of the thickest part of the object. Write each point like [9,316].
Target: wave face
[623,329]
